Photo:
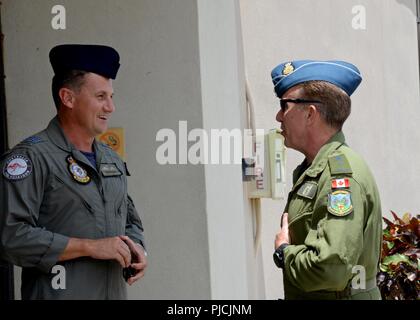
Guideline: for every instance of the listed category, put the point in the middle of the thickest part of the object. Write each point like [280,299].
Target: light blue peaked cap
[340,73]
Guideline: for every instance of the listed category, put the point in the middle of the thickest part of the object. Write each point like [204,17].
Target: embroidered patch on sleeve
[17,167]
[339,203]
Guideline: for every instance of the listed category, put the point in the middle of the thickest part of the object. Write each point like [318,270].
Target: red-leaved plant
[399,276]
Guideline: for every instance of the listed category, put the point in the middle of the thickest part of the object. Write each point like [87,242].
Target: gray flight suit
[43,206]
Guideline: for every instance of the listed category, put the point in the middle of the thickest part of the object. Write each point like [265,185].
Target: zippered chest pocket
[65,209]
[113,181]
[71,190]
[300,210]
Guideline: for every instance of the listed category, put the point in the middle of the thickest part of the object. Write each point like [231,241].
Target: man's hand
[105,249]
[111,249]
[139,259]
[283,235]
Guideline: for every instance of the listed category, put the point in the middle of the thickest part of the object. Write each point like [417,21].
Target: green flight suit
[43,205]
[327,241]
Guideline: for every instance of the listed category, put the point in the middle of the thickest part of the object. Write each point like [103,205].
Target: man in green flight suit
[65,215]
[330,239]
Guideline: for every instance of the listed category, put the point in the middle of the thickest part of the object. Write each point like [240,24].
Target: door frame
[6,269]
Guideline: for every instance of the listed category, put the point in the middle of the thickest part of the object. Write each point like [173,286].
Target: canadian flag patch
[340,183]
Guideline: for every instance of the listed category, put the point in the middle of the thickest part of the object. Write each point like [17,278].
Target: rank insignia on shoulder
[17,167]
[339,203]
[339,164]
[340,183]
[79,174]
[32,140]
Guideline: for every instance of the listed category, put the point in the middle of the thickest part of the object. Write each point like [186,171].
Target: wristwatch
[278,256]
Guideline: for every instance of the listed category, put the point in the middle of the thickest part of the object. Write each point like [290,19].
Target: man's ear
[67,97]
[312,113]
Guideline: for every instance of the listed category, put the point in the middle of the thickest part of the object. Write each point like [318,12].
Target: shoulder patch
[17,167]
[339,164]
[339,203]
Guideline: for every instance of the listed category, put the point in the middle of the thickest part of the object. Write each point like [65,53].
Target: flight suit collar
[58,137]
[320,161]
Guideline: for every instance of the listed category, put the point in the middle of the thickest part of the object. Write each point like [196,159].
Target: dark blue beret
[102,60]
[340,73]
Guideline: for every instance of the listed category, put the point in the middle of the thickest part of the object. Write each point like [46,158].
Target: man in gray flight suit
[330,241]
[65,215]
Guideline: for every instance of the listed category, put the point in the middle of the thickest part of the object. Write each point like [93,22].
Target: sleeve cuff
[142,246]
[51,256]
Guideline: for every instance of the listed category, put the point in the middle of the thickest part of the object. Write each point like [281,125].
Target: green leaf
[384,268]
[390,245]
[395,259]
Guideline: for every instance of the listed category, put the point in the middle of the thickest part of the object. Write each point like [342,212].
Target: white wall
[230,222]
[383,126]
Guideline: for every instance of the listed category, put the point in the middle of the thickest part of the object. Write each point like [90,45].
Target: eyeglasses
[283,102]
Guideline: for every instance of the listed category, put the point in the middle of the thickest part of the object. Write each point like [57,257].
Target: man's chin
[100,131]
[284,139]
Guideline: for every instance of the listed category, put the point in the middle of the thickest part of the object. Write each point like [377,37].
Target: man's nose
[110,106]
[279,116]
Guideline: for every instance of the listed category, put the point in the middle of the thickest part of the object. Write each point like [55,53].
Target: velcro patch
[339,164]
[339,203]
[110,170]
[308,190]
[17,167]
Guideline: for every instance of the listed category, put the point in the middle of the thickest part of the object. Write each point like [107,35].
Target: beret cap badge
[288,68]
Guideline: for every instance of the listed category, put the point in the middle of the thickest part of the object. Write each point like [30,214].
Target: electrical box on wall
[269,172]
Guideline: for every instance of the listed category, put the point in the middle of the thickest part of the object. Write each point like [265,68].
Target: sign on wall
[114,138]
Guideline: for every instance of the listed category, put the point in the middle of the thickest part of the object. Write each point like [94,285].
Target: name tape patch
[110,170]
[308,190]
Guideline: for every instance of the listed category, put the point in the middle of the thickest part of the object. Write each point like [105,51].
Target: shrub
[399,276]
